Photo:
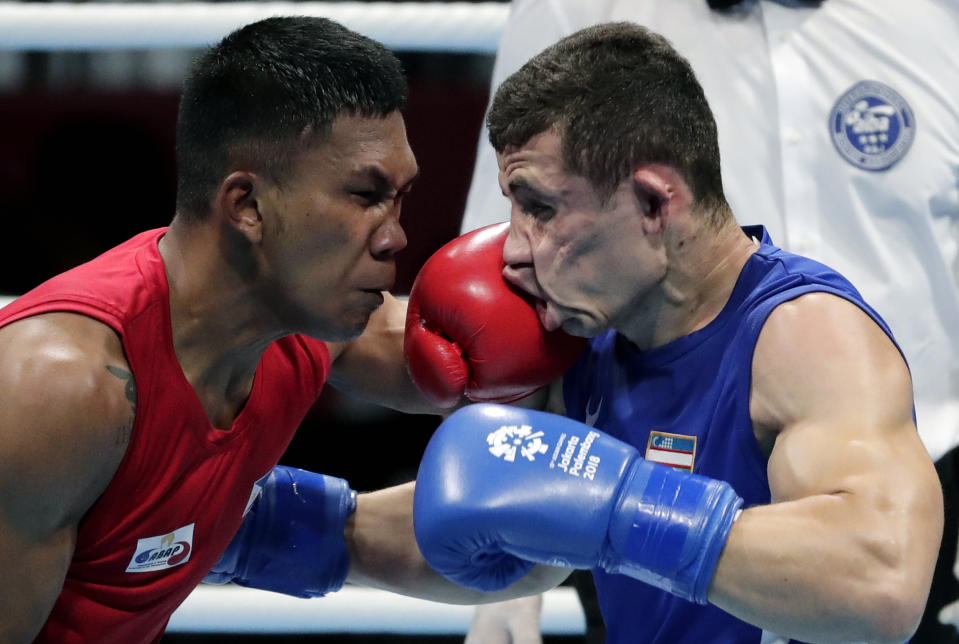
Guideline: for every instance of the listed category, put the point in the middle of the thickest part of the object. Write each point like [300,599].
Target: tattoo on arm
[123,433]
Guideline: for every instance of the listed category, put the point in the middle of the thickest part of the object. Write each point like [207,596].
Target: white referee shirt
[839,131]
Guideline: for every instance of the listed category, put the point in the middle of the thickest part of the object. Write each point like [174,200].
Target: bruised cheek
[553,275]
[578,276]
[567,263]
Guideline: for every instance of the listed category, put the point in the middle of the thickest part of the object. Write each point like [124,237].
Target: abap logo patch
[165,551]
[872,126]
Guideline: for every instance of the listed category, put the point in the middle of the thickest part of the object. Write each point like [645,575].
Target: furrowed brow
[382,182]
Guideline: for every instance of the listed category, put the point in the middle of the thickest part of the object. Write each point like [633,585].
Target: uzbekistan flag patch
[676,450]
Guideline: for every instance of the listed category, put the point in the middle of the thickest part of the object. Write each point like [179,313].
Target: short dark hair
[618,95]
[250,99]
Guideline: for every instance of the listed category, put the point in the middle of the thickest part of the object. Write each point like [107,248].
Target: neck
[219,330]
[703,264]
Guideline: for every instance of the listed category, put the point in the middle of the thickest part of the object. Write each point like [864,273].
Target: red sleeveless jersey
[180,492]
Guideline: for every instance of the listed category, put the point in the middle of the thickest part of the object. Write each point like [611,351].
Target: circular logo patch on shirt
[872,126]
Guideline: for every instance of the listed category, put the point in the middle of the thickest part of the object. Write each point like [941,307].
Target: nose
[389,238]
[518,257]
[516,249]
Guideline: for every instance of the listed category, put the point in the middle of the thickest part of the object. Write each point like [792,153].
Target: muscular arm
[65,419]
[373,366]
[847,548]
[384,554]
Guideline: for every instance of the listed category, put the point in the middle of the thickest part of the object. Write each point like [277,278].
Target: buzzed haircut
[269,89]
[618,95]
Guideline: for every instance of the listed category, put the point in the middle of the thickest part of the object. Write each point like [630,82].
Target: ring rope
[233,609]
[459,27]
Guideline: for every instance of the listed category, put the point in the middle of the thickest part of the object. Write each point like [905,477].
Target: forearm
[515,621]
[829,568]
[384,554]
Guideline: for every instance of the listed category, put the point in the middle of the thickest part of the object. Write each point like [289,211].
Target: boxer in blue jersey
[739,462]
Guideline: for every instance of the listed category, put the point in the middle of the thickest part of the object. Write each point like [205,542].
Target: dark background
[83,168]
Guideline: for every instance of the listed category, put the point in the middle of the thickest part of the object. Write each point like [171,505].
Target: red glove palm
[468,332]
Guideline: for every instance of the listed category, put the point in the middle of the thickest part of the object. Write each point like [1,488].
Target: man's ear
[237,200]
[652,189]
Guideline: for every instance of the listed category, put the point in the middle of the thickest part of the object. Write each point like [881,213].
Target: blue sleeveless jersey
[687,404]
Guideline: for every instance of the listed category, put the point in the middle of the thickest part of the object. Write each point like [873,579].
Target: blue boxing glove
[501,488]
[291,541]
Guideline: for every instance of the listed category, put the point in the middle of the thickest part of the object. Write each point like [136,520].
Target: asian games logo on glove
[508,439]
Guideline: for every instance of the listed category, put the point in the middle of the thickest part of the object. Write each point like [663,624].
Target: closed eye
[529,200]
[368,197]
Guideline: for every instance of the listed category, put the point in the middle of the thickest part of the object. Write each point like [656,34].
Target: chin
[347,333]
[344,329]
[582,328]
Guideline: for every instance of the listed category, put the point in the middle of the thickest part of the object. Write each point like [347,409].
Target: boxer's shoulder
[67,401]
[71,330]
[71,357]
[824,350]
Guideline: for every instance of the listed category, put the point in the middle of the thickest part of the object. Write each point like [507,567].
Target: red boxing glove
[468,332]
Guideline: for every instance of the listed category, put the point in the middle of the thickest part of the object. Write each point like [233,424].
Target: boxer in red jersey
[146,396]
